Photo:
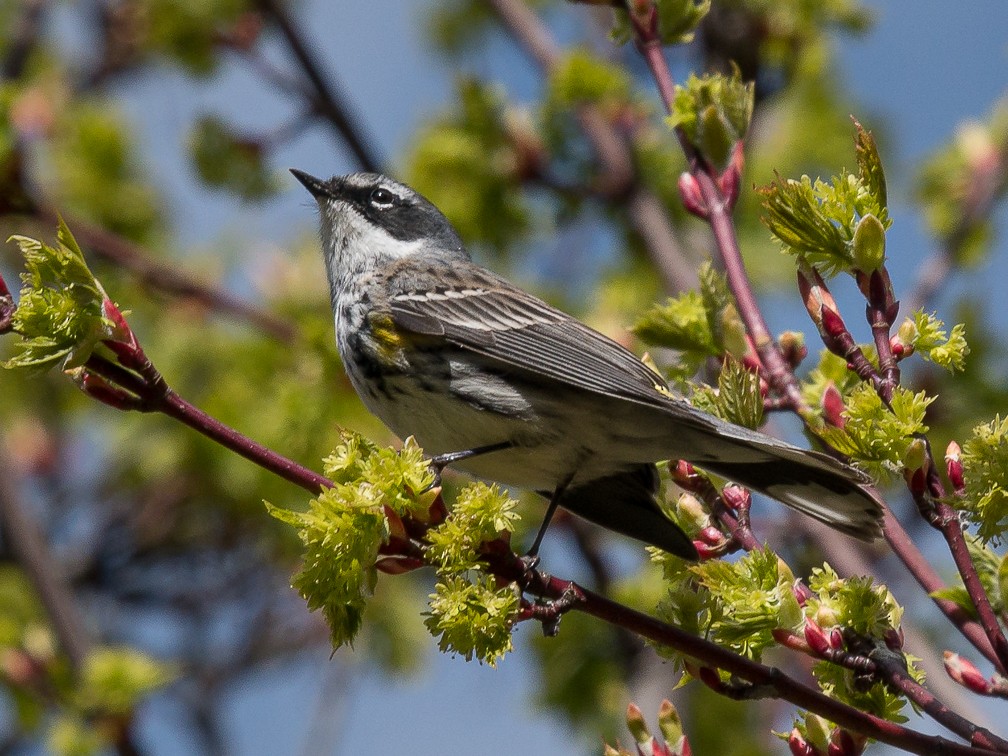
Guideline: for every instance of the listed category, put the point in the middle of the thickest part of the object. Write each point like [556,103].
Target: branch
[158,276]
[619,180]
[326,100]
[25,540]
[778,372]
[770,680]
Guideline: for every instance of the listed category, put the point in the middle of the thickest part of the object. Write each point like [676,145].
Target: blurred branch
[987,184]
[326,100]
[26,542]
[167,278]
[23,38]
[619,180]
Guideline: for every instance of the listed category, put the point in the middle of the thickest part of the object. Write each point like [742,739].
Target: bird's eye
[382,198]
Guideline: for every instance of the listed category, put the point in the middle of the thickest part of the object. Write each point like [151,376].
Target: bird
[499,384]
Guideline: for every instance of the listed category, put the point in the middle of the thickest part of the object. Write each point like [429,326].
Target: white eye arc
[382,198]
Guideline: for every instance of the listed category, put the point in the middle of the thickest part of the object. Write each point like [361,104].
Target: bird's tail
[807,481]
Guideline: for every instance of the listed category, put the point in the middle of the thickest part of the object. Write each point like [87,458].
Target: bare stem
[768,680]
[26,542]
[619,178]
[778,372]
[326,99]
[166,278]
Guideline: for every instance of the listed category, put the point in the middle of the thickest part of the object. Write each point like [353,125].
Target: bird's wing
[477,311]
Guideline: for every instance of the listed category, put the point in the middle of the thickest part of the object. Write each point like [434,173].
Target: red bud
[735,496]
[801,591]
[816,637]
[799,746]
[832,324]
[692,199]
[833,406]
[964,672]
[954,467]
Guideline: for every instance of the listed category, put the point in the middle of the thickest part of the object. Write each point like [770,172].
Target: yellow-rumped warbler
[515,391]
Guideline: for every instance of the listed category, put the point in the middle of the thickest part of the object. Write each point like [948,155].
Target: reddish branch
[718,214]
[133,383]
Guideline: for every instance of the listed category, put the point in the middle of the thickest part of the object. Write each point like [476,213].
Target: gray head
[368,218]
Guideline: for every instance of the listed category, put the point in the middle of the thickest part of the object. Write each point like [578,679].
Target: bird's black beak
[316,186]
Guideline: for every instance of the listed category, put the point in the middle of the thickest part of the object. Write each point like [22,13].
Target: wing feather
[497,320]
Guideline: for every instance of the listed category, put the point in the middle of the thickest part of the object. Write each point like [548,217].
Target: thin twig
[619,177]
[166,278]
[326,99]
[26,542]
[777,371]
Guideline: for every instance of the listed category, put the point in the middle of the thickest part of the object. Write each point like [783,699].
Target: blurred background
[162,132]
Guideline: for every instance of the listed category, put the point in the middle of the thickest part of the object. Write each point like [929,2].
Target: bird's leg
[531,559]
[440,461]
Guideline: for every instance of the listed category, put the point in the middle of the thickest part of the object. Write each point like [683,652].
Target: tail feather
[808,482]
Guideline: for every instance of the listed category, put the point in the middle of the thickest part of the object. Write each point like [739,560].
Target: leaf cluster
[985,470]
[735,604]
[345,526]
[469,613]
[698,324]
[59,316]
[838,226]
[714,112]
[875,436]
[737,397]
[926,334]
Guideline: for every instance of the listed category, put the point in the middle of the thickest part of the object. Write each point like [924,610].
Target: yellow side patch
[386,337]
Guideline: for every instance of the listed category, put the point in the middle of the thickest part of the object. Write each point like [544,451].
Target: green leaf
[817,220]
[481,513]
[714,112]
[473,618]
[699,324]
[59,314]
[224,160]
[737,398]
[748,600]
[875,437]
[870,166]
[985,470]
[346,525]
[854,602]
[925,333]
